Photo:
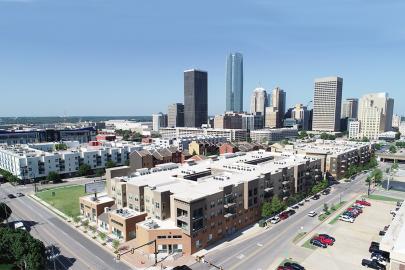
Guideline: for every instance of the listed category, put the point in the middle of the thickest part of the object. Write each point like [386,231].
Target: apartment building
[191,206]
[229,134]
[150,158]
[92,207]
[336,155]
[273,135]
[27,162]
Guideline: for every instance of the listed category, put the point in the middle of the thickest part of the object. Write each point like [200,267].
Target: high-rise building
[327,104]
[375,114]
[396,120]
[175,115]
[228,120]
[350,108]
[159,120]
[258,101]
[278,99]
[301,114]
[195,98]
[354,129]
[271,117]
[234,83]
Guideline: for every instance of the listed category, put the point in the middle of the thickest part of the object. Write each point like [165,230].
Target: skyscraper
[175,115]
[195,98]
[278,99]
[159,120]
[234,83]
[350,108]
[327,104]
[259,101]
[301,114]
[375,114]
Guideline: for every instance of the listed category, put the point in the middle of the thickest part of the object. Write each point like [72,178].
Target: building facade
[301,115]
[273,135]
[175,115]
[278,100]
[350,108]
[195,98]
[258,101]
[327,104]
[234,83]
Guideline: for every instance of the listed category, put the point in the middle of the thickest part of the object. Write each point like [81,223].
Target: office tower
[229,120]
[327,104]
[375,114]
[271,117]
[350,108]
[175,115]
[234,83]
[354,129]
[159,120]
[301,114]
[396,121]
[258,101]
[195,98]
[278,99]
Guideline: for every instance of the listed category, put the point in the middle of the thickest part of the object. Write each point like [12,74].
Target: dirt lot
[352,239]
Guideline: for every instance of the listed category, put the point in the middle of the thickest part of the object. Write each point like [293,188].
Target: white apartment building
[327,104]
[354,130]
[26,162]
[396,120]
[141,127]
[179,132]
[273,135]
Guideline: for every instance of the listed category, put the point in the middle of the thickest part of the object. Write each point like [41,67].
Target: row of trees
[355,169]
[326,136]
[400,144]
[8,176]
[273,207]
[128,135]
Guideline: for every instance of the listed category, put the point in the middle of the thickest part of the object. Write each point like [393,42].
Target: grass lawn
[299,236]
[307,244]
[65,199]
[383,198]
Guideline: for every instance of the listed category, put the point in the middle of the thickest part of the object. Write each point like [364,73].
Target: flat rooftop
[329,147]
[101,198]
[194,181]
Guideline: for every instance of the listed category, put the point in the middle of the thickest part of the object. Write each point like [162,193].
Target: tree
[60,146]
[395,166]
[365,139]
[303,134]
[85,224]
[115,244]
[93,229]
[54,177]
[266,209]
[102,236]
[325,208]
[110,164]
[326,136]
[378,146]
[393,149]
[397,135]
[84,170]
[18,247]
[5,212]
[99,172]
[377,175]
[76,219]
[277,205]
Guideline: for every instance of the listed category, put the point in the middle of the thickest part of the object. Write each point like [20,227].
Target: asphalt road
[76,251]
[260,251]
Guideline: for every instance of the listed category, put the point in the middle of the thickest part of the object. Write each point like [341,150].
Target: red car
[355,210]
[283,215]
[284,268]
[324,240]
[362,202]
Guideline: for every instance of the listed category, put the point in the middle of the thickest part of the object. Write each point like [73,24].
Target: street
[262,250]
[76,251]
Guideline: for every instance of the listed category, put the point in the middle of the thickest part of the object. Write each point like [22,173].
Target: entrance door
[170,249]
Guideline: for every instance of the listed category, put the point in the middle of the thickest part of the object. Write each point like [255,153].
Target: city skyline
[81,64]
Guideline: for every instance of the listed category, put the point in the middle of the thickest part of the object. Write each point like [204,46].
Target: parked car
[294,266]
[379,259]
[11,196]
[363,202]
[275,220]
[283,215]
[372,264]
[315,197]
[399,204]
[327,236]
[312,214]
[301,203]
[19,226]
[393,212]
[346,219]
[324,240]
[386,227]
[359,205]
[374,246]
[379,256]
[19,194]
[284,268]
[317,243]
[381,233]
[295,206]
[382,253]
[290,212]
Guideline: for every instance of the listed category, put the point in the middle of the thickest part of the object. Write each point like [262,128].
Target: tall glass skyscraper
[234,83]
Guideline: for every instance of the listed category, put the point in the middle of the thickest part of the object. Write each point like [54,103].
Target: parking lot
[352,239]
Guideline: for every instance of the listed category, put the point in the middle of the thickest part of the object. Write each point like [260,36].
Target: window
[209,237]
[157,205]
[197,243]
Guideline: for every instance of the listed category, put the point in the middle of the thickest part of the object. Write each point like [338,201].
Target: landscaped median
[330,211]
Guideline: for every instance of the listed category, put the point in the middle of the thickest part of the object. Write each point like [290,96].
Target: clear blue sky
[126,57]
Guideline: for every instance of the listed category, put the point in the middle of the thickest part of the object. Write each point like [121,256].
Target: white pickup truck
[19,225]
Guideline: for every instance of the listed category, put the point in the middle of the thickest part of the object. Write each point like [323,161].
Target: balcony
[229,215]
[285,182]
[269,189]
[229,205]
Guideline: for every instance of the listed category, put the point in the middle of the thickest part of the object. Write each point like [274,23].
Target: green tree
[395,166]
[325,208]
[377,175]
[5,212]
[84,170]
[266,209]
[393,149]
[76,219]
[378,146]
[85,224]
[99,172]
[115,244]
[365,139]
[303,134]
[54,177]
[277,205]
[60,146]
[102,236]
[397,135]
[110,164]
[21,249]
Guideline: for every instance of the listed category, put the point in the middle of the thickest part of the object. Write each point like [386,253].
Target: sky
[127,57]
